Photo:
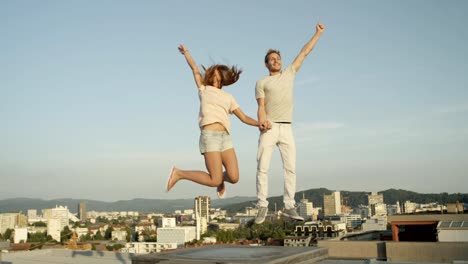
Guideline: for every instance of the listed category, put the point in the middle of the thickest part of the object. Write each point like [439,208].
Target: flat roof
[427,217]
[66,256]
[238,255]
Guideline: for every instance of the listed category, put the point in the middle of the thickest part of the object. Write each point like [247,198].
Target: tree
[115,247]
[108,233]
[38,237]
[65,234]
[86,237]
[129,234]
[98,236]
[50,238]
[7,234]
[39,224]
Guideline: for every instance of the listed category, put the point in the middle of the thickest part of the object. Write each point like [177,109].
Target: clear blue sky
[97,103]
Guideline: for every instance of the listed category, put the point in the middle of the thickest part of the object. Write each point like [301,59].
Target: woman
[215,140]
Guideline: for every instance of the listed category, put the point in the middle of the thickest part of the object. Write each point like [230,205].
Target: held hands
[264,125]
[182,49]
[320,27]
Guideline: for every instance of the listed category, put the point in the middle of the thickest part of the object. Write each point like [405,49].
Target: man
[274,95]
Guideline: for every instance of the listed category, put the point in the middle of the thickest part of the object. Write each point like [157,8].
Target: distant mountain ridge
[234,204]
[353,199]
[137,204]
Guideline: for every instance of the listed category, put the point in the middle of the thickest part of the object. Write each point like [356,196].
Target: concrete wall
[441,252]
[420,252]
[354,249]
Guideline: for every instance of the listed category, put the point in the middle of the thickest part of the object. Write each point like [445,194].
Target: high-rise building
[8,221]
[32,213]
[202,207]
[82,211]
[375,198]
[306,208]
[12,220]
[61,213]
[202,214]
[332,204]
[54,227]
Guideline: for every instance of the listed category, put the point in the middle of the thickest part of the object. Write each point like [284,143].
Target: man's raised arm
[308,47]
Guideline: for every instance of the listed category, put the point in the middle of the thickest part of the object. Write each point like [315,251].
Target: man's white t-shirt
[278,93]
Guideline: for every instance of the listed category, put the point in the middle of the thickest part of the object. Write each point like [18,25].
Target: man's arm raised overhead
[308,47]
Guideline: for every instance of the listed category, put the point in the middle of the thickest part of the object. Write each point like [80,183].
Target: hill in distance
[232,205]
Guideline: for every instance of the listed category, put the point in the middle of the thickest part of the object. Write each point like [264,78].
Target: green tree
[129,234]
[86,237]
[39,224]
[65,234]
[108,234]
[50,238]
[38,237]
[115,247]
[7,234]
[98,236]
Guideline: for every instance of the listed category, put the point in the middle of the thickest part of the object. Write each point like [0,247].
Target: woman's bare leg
[214,177]
[231,173]
[229,160]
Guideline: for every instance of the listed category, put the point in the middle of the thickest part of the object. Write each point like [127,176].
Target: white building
[452,231]
[81,231]
[145,228]
[178,235]
[375,223]
[7,221]
[147,247]
[217,213]
[21,235]
[410,207]
[353,221]
[188,211]
[251,211]
[54,227]
[61,214]
[378,209]
[32,213]
[167,222]
[202,206]
[398,207]
[119,235]
[201,226]
[306,208]
[375,198]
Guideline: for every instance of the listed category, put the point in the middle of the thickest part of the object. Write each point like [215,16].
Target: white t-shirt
[278,93]
[215,105]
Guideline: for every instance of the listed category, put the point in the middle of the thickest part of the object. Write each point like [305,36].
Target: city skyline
[97,103]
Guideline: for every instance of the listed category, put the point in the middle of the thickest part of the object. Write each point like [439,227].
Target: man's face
[274,62]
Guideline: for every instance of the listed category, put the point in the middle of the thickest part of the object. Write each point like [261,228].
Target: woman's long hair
[229,75]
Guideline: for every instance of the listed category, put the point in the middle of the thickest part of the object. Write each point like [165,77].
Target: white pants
[280,135]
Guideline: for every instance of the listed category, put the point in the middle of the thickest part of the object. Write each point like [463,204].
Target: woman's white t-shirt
[215,105]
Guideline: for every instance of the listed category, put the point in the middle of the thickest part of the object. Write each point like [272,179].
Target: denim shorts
[214,141]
